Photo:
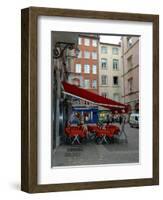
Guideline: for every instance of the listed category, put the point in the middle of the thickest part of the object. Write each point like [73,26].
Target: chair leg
[104,139]
[75,139]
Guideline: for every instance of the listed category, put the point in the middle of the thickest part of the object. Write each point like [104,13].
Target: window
[116,97]
[130,84]
[115,80]
[78,68]
[104,80]
[104,94]
[115,50]
[94,55]
[86,54]
[115,64]
[129,42]
[94,84]
[103,49]
[136,118]
[94,69]
[94,43]
[86,69]
[79,40]
[86,42]
[129,62]
[87,116]
[104,63]
[80,54]
[76,82]
[86,83]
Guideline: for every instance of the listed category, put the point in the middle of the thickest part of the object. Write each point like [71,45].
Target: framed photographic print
[90,99]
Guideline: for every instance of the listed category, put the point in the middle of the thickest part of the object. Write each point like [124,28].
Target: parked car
[134,120]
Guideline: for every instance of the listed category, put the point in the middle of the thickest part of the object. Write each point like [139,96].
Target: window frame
[94,69]
[94,80]
[117,66]
[105,79]
[86,68]
[94,53]
[78,64]
[114,80]
[113,51]
[87,53]
[85,80]
[87,44]
[106,66]
[94,41]
[102,50]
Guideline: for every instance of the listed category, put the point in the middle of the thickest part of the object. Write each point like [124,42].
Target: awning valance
[93,98]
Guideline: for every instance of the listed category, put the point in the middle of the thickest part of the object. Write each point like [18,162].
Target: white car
[134,120]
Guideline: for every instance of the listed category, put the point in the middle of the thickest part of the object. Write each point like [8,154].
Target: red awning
[93,98]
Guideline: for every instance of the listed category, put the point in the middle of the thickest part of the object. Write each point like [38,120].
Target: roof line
[110,44]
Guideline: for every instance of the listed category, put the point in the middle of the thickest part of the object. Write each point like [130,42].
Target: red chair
[112,130]
[75,133]
[106,134]
[92,130]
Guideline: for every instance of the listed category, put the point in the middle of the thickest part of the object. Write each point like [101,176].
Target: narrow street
[93,154]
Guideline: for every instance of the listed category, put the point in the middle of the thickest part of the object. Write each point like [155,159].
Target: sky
[110,39]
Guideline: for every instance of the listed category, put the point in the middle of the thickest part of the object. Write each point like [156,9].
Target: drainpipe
[123,69]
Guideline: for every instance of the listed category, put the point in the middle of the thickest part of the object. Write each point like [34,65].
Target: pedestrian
[111,119]
[120,119]
[108,119]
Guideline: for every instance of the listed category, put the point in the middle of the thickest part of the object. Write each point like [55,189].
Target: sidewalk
[93,154]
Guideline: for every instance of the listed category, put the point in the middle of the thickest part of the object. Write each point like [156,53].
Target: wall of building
[90,61]
[110,89]
[130,61]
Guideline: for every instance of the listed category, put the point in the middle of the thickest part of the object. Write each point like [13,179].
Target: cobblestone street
[93,154]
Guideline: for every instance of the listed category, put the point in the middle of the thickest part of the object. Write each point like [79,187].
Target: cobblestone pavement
[93,154]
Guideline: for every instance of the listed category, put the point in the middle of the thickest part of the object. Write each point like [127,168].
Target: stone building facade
[110,71]
[130,62]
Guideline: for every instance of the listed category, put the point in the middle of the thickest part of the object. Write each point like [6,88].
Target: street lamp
[61,47]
